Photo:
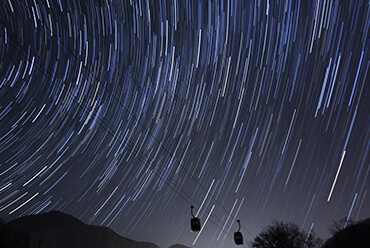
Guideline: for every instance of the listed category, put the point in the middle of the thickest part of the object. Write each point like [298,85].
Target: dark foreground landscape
[58,230]
[356,235]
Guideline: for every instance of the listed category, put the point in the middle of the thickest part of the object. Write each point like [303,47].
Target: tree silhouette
[354,235]
[285,235]
[340,224]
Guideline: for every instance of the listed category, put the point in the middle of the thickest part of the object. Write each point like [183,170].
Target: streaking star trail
[126,113]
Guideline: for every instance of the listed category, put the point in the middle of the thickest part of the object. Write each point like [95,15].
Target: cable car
[195,222]
[238,237]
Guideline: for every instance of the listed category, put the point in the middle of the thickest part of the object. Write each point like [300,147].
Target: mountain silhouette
[58,230]
[178,246]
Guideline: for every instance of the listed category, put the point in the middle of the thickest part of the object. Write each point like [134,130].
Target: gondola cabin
[195,224]
[238,238]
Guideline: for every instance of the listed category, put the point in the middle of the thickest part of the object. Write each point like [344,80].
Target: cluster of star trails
[126,113]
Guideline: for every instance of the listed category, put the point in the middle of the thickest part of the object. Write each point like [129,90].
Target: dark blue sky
[126,113]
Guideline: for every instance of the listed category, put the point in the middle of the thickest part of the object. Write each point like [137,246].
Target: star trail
[126,113]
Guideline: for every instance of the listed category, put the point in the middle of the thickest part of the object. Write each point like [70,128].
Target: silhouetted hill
[178,246]
[53,219]
[357,235]
[57,230]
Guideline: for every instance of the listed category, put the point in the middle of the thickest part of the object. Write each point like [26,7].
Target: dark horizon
[124,114]
[57,229]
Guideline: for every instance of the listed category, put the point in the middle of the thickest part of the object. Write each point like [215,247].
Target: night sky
[126,113]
